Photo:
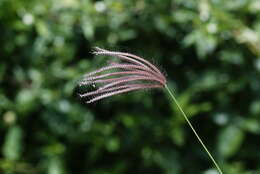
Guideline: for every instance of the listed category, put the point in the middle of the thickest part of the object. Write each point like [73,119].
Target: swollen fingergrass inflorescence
[134,73]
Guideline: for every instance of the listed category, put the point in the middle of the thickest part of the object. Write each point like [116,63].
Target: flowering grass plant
[131,74]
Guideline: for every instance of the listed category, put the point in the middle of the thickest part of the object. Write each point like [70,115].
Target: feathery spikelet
[134,73]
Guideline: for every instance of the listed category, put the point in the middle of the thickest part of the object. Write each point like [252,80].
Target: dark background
[209,49]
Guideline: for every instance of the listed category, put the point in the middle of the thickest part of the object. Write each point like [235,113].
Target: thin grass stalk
[192,128]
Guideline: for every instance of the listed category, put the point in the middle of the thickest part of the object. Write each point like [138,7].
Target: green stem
[194,131]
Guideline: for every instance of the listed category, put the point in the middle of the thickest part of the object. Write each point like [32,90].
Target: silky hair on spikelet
[131,74]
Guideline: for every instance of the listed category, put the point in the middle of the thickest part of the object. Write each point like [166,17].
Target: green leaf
[55,166]
[230,140]
[13,144]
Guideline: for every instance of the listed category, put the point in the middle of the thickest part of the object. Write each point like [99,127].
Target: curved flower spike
[134,73]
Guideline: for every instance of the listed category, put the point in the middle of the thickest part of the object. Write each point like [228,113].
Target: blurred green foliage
[210,50]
